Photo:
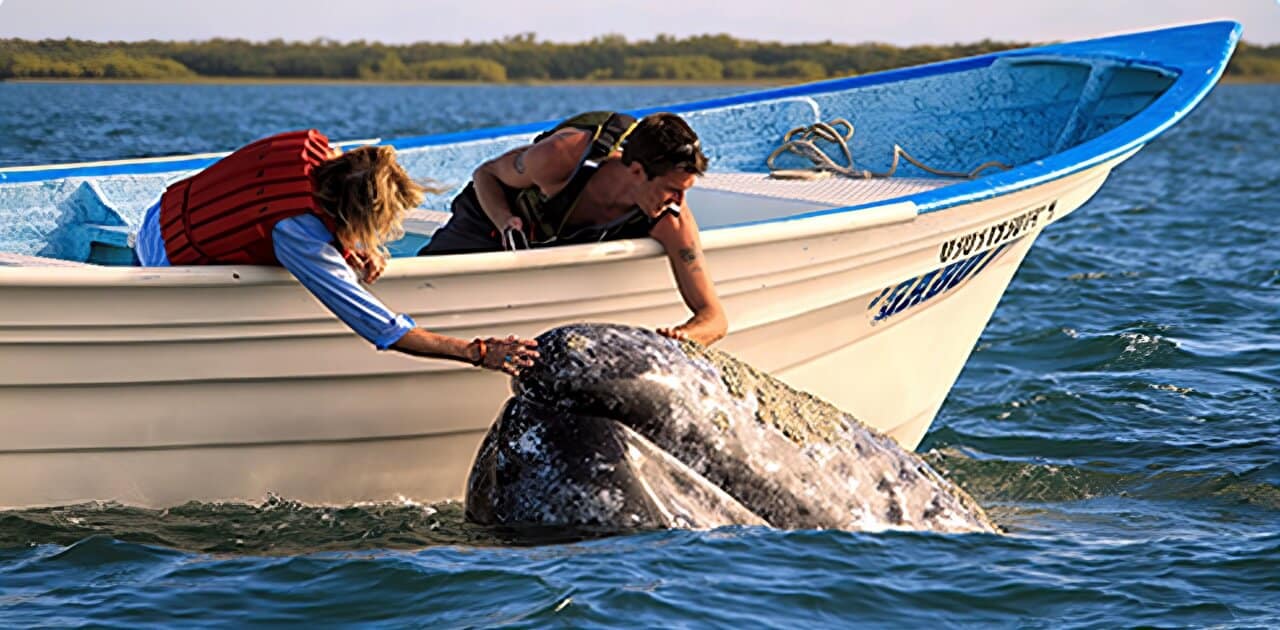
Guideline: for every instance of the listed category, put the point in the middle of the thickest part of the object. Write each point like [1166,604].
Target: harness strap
[608,138]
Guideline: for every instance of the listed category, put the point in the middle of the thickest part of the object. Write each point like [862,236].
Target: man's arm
[547,164]
[679,236]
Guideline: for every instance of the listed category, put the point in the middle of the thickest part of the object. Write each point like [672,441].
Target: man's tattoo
[688,255]
[520,162]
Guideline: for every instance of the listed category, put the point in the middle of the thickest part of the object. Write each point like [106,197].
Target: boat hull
[213,401]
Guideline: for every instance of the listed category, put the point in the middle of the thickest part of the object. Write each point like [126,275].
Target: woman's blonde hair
[367,193]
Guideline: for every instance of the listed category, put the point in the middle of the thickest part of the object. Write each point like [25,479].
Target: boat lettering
[910,293]
[996,233]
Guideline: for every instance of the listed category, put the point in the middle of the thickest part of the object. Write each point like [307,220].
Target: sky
[900,22]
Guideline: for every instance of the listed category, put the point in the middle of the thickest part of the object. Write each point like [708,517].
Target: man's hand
[513,236]
[674,332]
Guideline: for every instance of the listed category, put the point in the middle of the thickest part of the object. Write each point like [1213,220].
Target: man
[596,176]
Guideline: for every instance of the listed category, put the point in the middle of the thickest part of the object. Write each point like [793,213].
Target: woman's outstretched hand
[509,355]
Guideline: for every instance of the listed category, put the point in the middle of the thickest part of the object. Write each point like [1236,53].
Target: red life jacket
[225,213]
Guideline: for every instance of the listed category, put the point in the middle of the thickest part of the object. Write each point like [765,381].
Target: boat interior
[1016,109]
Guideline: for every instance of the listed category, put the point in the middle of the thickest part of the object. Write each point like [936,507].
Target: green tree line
[517,58]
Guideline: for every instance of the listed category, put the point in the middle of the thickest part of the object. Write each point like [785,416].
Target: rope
[824,166]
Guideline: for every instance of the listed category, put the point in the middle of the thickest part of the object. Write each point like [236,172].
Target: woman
[326,216]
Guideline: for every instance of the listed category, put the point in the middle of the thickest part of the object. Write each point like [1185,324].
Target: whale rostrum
[617,428]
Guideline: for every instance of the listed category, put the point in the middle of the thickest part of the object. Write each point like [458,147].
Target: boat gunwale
[488,262]
[427,267]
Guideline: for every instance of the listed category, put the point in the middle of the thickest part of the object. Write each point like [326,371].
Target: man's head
[367,193]
[662,143]
[666,150]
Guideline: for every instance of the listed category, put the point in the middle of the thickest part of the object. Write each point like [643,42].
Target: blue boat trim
[142,167]
[1196,54]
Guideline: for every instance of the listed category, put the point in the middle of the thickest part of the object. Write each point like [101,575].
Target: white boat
[154,387]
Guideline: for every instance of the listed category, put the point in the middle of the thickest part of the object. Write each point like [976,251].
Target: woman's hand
[369,268]
[508,355]
[373,268]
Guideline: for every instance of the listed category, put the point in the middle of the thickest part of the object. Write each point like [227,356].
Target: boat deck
[828,192]
[835,191]
[831,192]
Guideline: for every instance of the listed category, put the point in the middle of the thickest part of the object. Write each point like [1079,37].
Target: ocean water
[1120,417]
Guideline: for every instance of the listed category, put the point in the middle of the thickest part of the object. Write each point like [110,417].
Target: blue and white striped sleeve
[304,246]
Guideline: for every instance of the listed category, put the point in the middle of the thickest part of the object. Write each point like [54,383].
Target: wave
[274,526]
[1011,481]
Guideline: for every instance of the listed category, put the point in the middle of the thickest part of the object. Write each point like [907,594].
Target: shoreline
[450,83]
[1249,80]
[750,83]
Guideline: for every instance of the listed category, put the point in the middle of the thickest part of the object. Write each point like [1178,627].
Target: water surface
[1119,417]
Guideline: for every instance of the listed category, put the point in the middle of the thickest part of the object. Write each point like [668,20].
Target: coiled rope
[823,166]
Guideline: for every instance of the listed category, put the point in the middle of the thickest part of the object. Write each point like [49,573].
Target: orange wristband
[483,350]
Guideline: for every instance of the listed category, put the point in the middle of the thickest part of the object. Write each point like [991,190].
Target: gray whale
[617,428]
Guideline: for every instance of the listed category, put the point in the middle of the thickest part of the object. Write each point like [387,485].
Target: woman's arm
[678,234]
[302,245]
[508,355]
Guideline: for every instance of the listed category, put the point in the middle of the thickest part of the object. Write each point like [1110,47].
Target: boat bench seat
[425,221]
[419,225]
[108,244]
[113,235]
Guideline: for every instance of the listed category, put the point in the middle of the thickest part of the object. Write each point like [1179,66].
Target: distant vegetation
[1255,63]
[518,58]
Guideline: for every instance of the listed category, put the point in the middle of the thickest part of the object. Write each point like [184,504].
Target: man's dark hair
[662,143]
